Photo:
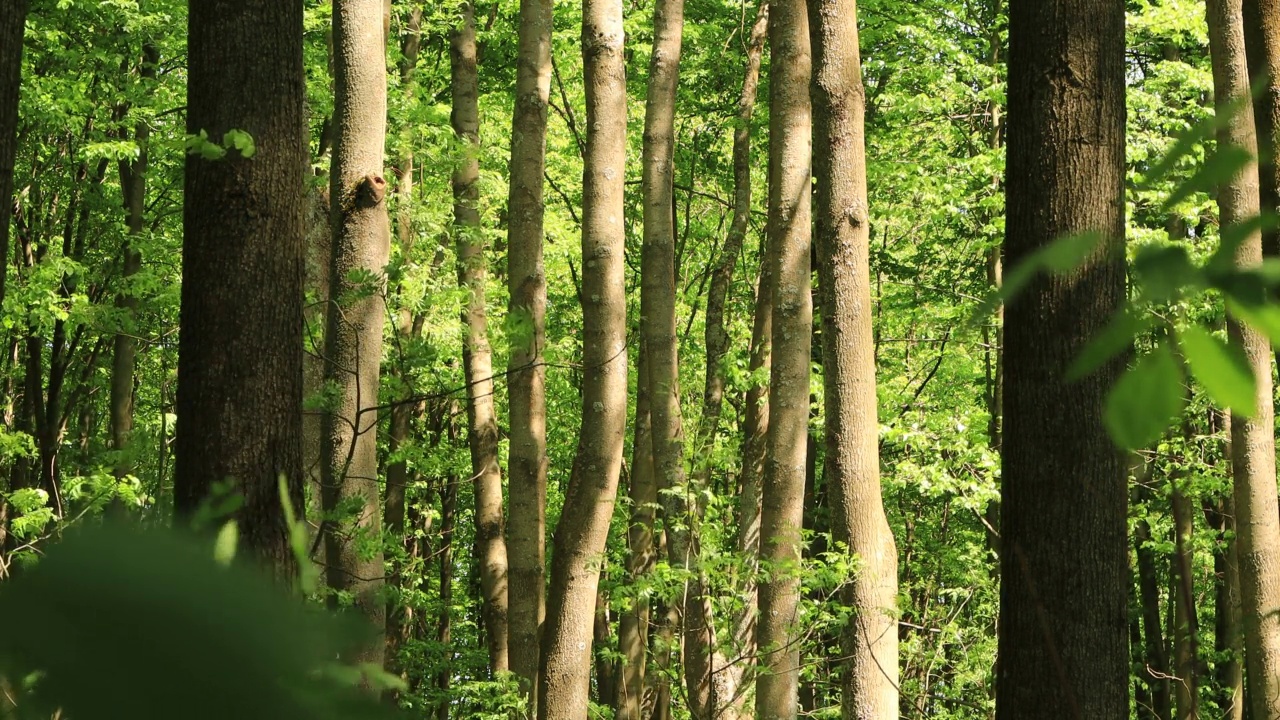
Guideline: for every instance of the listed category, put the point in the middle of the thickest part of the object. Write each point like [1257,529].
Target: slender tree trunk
[1186,626]
[13,18]
[869,642]
[242,258]
[1228,641]
[527,283]
[482,430]
[588,506]
[133,185]
[1063,638]
[353,338]
[782,505]
[633,626]
[1155,658]
[1252,439]
[444,626]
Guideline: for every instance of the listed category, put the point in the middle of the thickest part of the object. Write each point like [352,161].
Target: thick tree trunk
[869,642]
[353,337]
[1063,638]
[782,505]
[1252,439]
[633,626]
[242,256]
[1228,641]
[482,430]
[565,667]
[527,283]
[13,18]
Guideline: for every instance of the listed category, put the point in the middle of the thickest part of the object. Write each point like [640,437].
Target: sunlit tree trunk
[482,430]
[782,505]
[527,283]
[1063,637]
[353,337]
[869,642]
[588,505]
[242,257]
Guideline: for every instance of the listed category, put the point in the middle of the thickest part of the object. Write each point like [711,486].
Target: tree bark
[588,506]
[1252,439]
[13,18]
[353,337]
[633,625]
[869,642]
[242,256]
[482,429]
[527,283]
[1186,626]
[782,504]
[1155,659]
[1064,573]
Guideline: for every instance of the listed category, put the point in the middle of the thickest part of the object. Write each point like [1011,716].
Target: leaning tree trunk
[1063,638]
[527,284]
[1252,439]
[565,668]
[353,338]
[869,641]
[782,504]
[482,430]
[242,255]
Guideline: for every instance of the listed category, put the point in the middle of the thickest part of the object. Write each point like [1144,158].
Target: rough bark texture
[1064,571]
[782,504]
[1252,440]
[527,283]
[482,420]
[353,338]
[869,642]
[565,666]
[13,18]
[633,625]
[242,259]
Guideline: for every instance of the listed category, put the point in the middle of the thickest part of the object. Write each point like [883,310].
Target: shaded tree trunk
[782,504]
[1155,659]
[353,336]
[242,258]
[1063,637]
[527,283]
[13,18]
[565,665]
[1186,626]
[869,642]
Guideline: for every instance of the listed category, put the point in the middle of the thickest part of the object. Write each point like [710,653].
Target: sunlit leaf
[1146,400]
[1222,370]
[1115,338]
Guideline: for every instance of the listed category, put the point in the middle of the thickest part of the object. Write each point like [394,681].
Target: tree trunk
[133,185]
[1186,626]
[482,430]
[444,626]
[588,505]
[1063,638]
[527,283]
[1252,439]
[353,337]
[633,626]
[13,18]
[869,642]
[782,504]
[241,320]
[1155,659]
[1228,642]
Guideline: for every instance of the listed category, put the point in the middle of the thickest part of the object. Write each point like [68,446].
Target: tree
[782,503]
[482,431]
[1064,568]
[13,18]
[1253,458]
[239,359]
[869,641]
[353,337]
[564,673]
[527,284]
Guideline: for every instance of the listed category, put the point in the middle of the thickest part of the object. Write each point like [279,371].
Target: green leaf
[1145,401]
[1165,271]
[240,140]
[1217,170]
[1232,236]
[1112,340]
[1265,318]
[1199,133]
[1222,369]
[224,547]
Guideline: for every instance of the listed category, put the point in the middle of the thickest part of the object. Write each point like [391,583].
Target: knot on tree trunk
[370,191]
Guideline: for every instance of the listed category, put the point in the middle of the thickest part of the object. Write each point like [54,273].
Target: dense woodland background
[523,369]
